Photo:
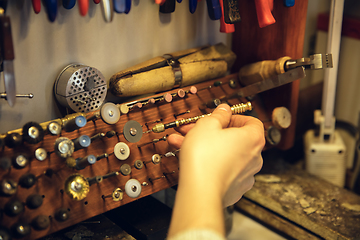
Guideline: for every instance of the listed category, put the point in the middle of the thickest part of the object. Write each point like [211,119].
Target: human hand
[222,150]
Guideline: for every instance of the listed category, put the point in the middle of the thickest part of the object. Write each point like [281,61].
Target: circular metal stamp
[117,195]
[110,113]
[32,133]
[40,154]
[133,188]
[133,131]
[121,151]
[156,158]
[54,128]
[125,169]
[273,135]
[64,147]
[138,164]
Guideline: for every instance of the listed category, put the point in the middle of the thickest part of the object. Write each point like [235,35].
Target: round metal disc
[121,151]
[40,154]
[133,188]
[54,128]
[110,113]
[125,169]
[156,158]
[132,131]
[64,147]
[124,109]
[32,132]
[138,164]
[273,135]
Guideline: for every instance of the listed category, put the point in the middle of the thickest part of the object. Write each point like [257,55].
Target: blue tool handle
[68,4]
[192,5]
[51,9]
[127,6]
[179,1]
[119,6]
[289,3]
[214,9]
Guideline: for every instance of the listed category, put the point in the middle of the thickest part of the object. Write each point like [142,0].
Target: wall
[43,49]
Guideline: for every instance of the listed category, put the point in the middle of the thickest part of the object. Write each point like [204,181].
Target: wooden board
[300,202]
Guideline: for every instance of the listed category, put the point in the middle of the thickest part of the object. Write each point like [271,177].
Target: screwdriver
[161,127]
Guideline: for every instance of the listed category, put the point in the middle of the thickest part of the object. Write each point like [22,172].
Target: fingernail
[224,109]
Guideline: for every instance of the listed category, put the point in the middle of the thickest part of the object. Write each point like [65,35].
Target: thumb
[223,114]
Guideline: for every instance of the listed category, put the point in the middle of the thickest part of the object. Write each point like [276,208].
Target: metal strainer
[81,88]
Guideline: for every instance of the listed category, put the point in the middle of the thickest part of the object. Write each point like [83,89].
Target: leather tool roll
[177,69]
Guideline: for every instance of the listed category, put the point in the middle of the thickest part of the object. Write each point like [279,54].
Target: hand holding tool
[235,109]
[263,11]
[260,71]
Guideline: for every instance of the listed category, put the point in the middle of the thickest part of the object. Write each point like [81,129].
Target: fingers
[175,140]
[223,114]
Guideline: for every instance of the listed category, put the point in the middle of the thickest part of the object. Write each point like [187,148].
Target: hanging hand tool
[231,11]
[107,8]
[122,6]
[192,5]
[7,55]
[36,5]
[165,72]
[97,1]
[214,9]
[51,9]
[167,7]
[289,3]
[225,27]
[263,11]
[68,4]
[83,7]
[260,71]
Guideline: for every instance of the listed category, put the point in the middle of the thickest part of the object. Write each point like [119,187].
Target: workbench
[300,205]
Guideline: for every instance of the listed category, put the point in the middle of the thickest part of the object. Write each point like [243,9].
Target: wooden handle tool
[260,71]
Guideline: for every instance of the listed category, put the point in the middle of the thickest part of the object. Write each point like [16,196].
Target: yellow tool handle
[260,71]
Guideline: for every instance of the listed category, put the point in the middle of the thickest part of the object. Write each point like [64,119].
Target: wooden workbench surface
[301,205]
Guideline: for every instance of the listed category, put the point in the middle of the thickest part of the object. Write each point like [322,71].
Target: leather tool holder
[177,69]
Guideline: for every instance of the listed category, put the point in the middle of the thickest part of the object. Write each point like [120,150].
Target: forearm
[198,206]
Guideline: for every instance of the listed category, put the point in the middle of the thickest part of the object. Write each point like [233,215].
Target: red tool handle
[36,5]
[271,5]
[97,1]
[225,27]
[83,7]
[264,15]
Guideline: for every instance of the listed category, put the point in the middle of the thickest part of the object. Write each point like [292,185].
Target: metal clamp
[174,63]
